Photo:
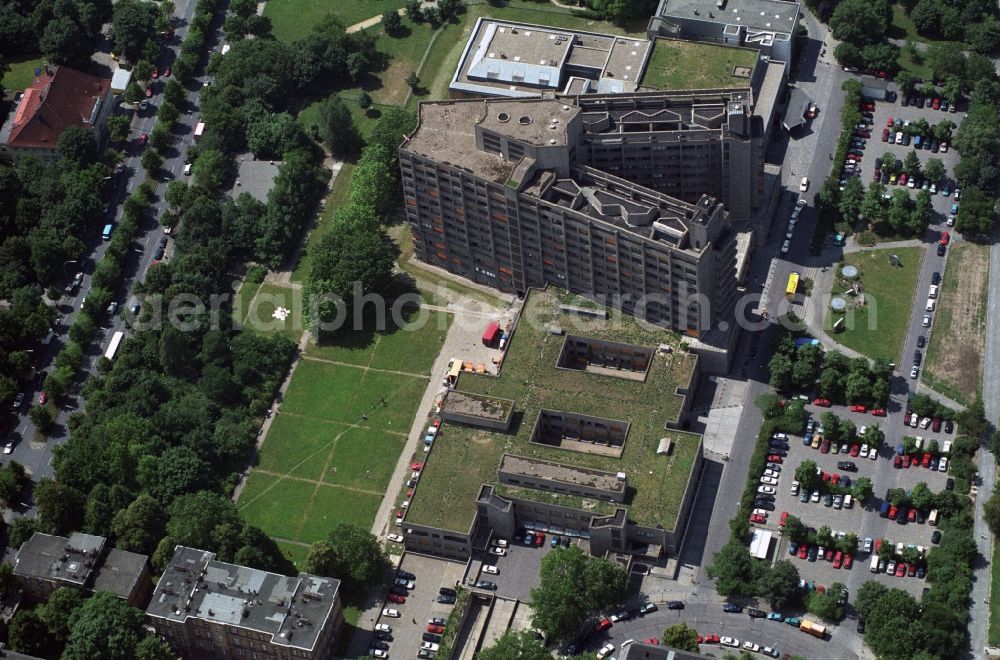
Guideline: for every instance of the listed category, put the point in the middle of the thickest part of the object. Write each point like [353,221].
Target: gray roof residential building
[45,563]
[243,608]
[642,651]
[521,60]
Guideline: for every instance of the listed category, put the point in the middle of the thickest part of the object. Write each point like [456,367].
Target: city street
[37,456]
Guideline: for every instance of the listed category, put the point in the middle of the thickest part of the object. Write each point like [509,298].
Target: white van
[187,170]
[932,519]
[848,501]
[874,565]
[930,305]
[899,137]
[933,292]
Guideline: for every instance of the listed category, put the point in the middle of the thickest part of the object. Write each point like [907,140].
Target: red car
[416,466]
[603,624]
[906,416]
[900,569]
[774,458]
[803,550]
[838,559]
[945,238]
[889,122]
[409,492]
[885,134]
[892,512]
[656,642]
[906,461]
[848,561]
[868,105]
[43,398]
[711,639]
[878,412]
[758,519]
[936,104]
[878,545]
[897,461]
[902,179]
[936,424]
[855,449]
[143,138]
[823,403]
[834,478]
[539,539]
[825,447]
[396,598]
[876,175]
[436,423]
[911,515]
[437,630]
[911,570]
[857,407]
[784,516]
[926,460]
[155,74]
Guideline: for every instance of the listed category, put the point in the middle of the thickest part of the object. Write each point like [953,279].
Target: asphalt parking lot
[432,574]
[518,569]
[864,522]
[875,147]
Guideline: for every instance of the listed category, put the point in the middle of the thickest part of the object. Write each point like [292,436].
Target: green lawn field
[21,73]
[878,329]
[293,19]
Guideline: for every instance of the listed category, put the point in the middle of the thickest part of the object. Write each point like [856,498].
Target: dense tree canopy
[572,587]
[351,554]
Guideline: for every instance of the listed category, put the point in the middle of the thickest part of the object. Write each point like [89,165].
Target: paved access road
[37,456]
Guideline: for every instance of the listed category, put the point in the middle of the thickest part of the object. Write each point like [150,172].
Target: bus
[793,286]
[116,340]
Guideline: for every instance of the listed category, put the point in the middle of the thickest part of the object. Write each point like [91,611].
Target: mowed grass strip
[298,446]
[332,505]
[994,630]
[957,345]
[877,330]
[323,391]
[414,347]
[295,552]
[690,65]
[364,459]
[293,19]
[275,504]
[340,192]
[260,313]
[21,73]
[402,396]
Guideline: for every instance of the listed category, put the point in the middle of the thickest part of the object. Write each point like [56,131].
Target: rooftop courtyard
[464,458]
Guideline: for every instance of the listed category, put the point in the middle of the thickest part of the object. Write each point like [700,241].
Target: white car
[925,422]
[501,543]
[390,612]
[795,488]
[9,447]
[770,651]
[950,222]
[378,653]
[891,568]
[785,247]
[913,372]
[395,538]
[383,627]
[947,447]
[864,451]
[499,552]
[491,569]
[927,321]
[750,646]
[605,650]
[804,184]
[873,453]
[765,490]
[943,464]
[779,436]
[789,233]
[729,641]
[769,481]
[429,646]
[814,497]
[868,544]
[760,512]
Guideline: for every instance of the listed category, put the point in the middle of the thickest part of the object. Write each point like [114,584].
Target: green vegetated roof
[464,458]
[675,65]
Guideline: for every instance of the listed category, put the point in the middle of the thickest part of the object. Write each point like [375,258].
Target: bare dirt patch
[957,343]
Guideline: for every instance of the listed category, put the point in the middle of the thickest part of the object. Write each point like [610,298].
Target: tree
[195,517]
[781,585]
[911,163]
[391,21]
[881,56]
[336,127]
[58,611]
[862,489]
[828,605]
[564,599]
[888,162]
[105,626]
[512,645]
[934,170]
[132,25]
[62,41]
[733,570]
[210,169]
[413,81]
[364,100]
[926,17]
[868,596]
[13,479]
[871,205]
[983,36]
[972,419]
[858,22]
[76,144]
[849,55]
[905,80]
[28,633]
[680,636]
[414,11]
[60,507]
[351,554]
[946,59]
[976,215]
[21,529]
[118,127]
[806,475]
[851,199]
[151,161]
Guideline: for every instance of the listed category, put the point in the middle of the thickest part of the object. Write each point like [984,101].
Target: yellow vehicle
[793,286]
[813,628]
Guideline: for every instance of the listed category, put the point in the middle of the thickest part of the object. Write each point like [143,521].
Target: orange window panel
[506,271]
[442,255]
[440,246]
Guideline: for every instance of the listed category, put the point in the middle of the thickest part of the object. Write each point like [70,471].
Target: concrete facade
[206,608]
[502,192]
